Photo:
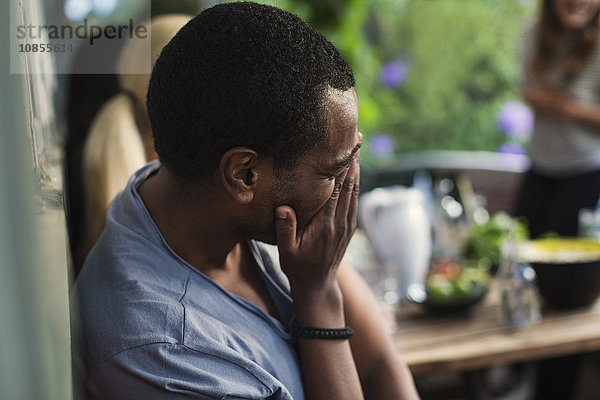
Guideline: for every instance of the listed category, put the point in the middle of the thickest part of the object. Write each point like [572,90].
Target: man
[254,118]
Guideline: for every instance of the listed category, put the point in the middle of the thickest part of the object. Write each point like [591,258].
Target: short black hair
[242,74]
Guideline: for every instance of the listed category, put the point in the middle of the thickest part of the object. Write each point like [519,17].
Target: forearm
[382,372]
[310,259]
[390,379]
[327,365]
[585,113]
[555,103]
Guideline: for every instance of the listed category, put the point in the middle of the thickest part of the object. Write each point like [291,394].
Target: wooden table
[435,343]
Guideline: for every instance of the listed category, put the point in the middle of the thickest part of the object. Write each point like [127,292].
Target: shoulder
[128,292]
[120,304]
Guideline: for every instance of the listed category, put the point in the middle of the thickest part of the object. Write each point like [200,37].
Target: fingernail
[281,214]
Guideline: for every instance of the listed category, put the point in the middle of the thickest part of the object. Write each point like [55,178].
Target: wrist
[323,308]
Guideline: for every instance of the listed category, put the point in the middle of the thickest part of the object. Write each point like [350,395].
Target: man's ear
[239,174]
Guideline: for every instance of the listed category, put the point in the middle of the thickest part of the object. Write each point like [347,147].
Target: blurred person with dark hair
[220,272]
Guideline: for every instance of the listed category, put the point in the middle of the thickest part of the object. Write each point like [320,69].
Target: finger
[343,203]
[328,210]
[285,228]
[353,206]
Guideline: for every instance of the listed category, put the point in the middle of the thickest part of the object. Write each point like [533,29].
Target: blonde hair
[114,148]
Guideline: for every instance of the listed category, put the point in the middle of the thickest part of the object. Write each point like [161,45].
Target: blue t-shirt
[154,327]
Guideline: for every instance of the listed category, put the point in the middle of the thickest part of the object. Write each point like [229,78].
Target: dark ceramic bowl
[567,269]
[568,285]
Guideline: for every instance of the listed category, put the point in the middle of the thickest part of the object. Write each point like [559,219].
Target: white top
[560,146]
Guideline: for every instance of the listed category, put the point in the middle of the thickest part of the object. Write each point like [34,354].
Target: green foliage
[463,65]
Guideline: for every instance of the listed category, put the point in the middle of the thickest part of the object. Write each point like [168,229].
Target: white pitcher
[399,229]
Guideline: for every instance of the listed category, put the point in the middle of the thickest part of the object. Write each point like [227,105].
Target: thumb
[285,227]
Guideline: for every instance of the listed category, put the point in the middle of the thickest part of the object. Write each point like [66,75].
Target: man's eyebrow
[342,164]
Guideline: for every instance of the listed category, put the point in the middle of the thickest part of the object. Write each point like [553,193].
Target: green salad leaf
[485,240]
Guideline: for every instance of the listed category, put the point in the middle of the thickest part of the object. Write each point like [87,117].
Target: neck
[196,227]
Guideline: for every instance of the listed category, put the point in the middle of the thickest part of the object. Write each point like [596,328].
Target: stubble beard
[262,226]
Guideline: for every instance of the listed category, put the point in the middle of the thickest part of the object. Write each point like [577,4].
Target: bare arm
[311,260]
[382,373]
[553,102]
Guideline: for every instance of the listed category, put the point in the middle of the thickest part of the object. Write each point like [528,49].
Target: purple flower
[393,73]
[381,145]
[515,119]
[511,148]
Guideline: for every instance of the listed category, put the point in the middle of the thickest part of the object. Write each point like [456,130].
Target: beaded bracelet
[313,332]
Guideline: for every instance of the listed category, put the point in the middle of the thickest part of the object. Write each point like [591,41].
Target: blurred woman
[562,85]
[120,139]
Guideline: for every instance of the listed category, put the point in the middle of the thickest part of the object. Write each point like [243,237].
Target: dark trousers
[552,205]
